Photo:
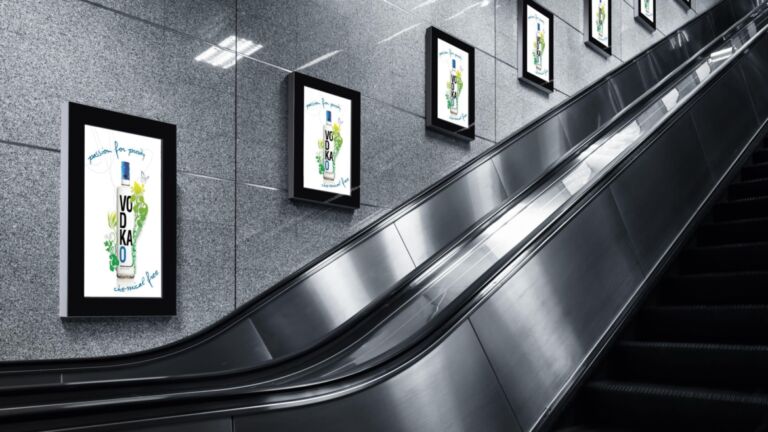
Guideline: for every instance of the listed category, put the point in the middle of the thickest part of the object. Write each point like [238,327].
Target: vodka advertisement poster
[600,21]
[452,79]
[537,44]
[122,215]
[327,142]
[646,9]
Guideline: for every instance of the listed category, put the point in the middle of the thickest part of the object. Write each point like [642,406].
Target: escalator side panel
[730,95]
[755,69]
[321,303]
[430,227]
[521,163]
[451,389]
[589,114]
[655,207]
[541,324]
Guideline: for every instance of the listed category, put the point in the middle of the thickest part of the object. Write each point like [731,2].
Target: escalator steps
[696,356]
[733,232]
[754,172]
[749,189]
[760,156]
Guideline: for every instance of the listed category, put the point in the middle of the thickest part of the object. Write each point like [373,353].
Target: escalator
[696,356]
[483,331]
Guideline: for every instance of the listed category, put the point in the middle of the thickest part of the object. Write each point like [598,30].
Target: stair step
[715,288]
[748,189]
[728,324]
[724,367]
[724,258]
[760,156]
[755,171]
[739,231]
[741,209]
[665,408]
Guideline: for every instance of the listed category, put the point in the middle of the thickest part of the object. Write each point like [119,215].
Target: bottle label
[125,230]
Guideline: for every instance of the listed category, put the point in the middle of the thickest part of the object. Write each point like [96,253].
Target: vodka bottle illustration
[125,224]
[601,19]
[328,173]
[454,108]
[538,45]
[647,7]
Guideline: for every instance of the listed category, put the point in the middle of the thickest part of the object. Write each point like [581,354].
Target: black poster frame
[72,302]
[432,86]
[296,190]
[590,41]
[523,74]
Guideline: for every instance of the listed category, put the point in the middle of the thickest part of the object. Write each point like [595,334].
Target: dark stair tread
[721,366]
[733,232]
[639,406]
[725,324]
[719,258]
[760,156]
[741,209]
[715,288]
[748,189]
[755,171]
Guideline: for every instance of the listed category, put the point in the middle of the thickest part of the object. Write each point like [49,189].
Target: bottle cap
[328,116]
[126,170]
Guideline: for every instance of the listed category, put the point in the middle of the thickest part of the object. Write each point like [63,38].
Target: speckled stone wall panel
[237,233]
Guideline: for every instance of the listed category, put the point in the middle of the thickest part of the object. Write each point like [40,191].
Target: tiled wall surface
[237,232]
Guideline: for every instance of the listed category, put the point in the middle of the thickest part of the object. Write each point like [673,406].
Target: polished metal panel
[755,69]
[431,226]
[310,310]
[634,80]
[451,389]
[589,113]
[656,194]
[238,347]
[212,425]
[537,329]
[527,159]
[720,143]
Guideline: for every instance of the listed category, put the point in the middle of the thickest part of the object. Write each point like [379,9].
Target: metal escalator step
[715,289]
[639,406]
[760,156]
[755,171]
[716,366]
[726,324]
[724,258]
[748,189]
[730,232]
[741,209]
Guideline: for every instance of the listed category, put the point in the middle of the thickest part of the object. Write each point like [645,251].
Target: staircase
[695,358]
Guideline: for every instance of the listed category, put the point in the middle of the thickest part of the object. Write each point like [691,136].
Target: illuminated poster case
[536,37]
[598,19]
[450,85]
[118,214]
[323,142]
[645,13]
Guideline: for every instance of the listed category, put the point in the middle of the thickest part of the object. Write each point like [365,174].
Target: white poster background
[602,38]
[646,8]
[445,53]
[316,103]
[101,178]
[535,18]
